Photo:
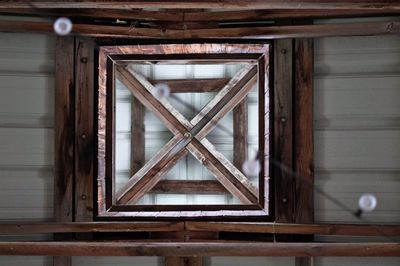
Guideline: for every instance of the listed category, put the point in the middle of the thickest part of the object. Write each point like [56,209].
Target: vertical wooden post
[240,136]
[64,137]
[283,130]
[84,135]
[137,135]
[303,137]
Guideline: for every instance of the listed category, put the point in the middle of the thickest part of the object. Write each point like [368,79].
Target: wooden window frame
[106,198]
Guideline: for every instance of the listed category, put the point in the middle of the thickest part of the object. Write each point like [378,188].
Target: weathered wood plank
[283,151]
[220,4]
[303,130]
[10,228]
[189,186]
[270,32]
[137,136]
[64,137]
[184,249]
[203,16]
[193,85]
[240,136]
[84,135]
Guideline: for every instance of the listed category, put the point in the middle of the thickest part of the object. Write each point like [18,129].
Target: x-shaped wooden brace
[189,136]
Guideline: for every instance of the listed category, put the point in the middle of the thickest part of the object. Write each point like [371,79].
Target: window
[176,123]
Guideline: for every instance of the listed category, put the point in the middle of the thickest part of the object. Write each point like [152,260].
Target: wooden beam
[270,32]
[283,143]
[193,85]
[303,137]
[184,249]
[189,186]
[303,130]
[64,137]
[137,135]
[221,4]
[240,134]
[185,18]
[298,229]
[84,135]
[10,228]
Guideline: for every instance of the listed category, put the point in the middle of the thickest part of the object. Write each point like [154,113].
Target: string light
[367,202]
[161,91]
[62,26]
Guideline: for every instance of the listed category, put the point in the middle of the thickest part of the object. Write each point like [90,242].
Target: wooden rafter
[146,178]
[221,4]
[179,249]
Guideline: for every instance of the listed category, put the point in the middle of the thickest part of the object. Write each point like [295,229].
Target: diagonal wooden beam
[144,180]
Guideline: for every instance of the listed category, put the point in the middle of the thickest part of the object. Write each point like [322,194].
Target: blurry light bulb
[251,167]
[161,91]
[62,26]
[367,202]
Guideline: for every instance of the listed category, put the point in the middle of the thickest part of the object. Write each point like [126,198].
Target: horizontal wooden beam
[221,4]
[179,249]
[271,32]
[193,85]
[272,228]
[87,227]
[302,229]
[215,16]
[189,186]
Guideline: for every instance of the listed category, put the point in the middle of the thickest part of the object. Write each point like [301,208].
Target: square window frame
[105,145]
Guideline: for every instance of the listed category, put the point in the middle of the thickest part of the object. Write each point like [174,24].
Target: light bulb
[161,91]
[251,167]
[367,202]
[62,26]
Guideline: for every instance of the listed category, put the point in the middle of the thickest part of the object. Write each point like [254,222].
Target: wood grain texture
[303,130]
[189,186]
[220,4]
[283,120]
[137,135]
[84,135]
[10,228]
[193,85]
[270,32]
[64,137]
[185,249]
[240,135]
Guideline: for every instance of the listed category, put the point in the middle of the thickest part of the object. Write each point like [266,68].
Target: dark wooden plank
[303,138]
[283,144]
[186,18]
[84,138]
[10,228]
[303,130]
[298,229]
[184,249]
[220,4]
[189,186]
[193,85]
[64,137]
[270,32]
[240,136]
[137,135]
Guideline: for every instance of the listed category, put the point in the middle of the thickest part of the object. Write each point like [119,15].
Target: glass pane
[199,92]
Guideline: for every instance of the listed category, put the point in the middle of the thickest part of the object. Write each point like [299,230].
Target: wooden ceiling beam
[271,32]
[178,249]
[207,4]
[205,16]
[10,228]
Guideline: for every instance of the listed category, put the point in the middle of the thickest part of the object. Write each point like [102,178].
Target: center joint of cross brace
[188,135]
